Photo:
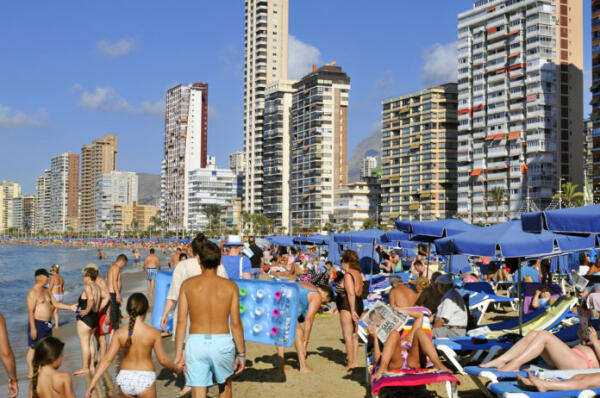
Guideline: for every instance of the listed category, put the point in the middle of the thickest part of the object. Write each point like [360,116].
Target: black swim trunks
[44,329]
[115,311]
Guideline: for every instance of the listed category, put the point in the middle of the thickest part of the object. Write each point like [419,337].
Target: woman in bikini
[92,299]
[350,304]
[47,381]
[553,351]
[56,287]
[408,352]
[137,375]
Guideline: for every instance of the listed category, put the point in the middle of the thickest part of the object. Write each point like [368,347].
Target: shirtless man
[401,296]
[174,260]
[151,267]
[104,328]
[211,303]
[40,307]
[114,289]
[57,289]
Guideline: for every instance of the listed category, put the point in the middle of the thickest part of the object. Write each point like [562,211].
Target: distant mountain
[370,146]
[148,189]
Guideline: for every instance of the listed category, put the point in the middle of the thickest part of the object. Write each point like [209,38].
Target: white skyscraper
[208,186]
[367,166]
[185,148]
[266,61]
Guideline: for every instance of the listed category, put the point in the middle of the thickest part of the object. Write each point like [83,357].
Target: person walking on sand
[114,290]
[57,289]
[47,381]
[8,360]
[151,267]
[40,307]
[212,304]
[137,373]
[185,269]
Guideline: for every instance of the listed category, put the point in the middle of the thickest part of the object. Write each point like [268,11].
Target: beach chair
[529,292]
[477,303]
[414,378]
[487,288]
[541,320]
[511,389]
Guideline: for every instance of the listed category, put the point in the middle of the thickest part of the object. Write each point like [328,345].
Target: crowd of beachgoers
[210,349]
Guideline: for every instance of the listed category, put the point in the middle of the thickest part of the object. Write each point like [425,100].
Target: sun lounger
[529,292]
[544,320]
[511,389]
[486,287]
[415,377]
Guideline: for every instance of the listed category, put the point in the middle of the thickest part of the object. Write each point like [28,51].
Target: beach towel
[411,378]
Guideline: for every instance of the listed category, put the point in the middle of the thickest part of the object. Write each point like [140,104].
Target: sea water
[17,266]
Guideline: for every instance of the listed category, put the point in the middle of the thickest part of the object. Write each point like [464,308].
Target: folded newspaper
[384,317]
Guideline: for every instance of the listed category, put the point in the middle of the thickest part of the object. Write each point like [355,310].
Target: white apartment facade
[266,61]
[208,186]
[185,148]
[368,163]
[64,186]
[112,189]
[352,206]
[8,191]
[520,108]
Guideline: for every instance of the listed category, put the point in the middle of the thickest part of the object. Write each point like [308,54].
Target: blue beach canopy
[366,236]
[428,231]
[312,239]
[584,219]
[509,240]
[281,240]
[392,236]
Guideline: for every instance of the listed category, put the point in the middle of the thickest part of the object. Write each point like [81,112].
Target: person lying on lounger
[556,353]
[405,352]
[577,382]
[542,298]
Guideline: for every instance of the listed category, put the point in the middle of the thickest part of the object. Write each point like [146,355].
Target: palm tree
[569,194]
[497,194]
[155,223]
[134,227]
[328,227]
[212,213]
[369,223]
[247,222]
[108,227]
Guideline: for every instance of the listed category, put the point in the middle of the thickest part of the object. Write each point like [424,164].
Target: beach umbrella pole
[520,300]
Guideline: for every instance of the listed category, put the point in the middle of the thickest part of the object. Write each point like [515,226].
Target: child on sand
[47,381]
[137,374]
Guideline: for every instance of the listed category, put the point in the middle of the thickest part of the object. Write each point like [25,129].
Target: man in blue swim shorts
[213,352]
[151,268]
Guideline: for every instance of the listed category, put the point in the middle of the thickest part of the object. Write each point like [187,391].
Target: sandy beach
[326,356]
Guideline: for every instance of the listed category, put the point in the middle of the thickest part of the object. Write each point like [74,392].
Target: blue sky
[72,71]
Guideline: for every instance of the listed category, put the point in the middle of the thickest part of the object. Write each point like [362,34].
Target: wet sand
[326,356]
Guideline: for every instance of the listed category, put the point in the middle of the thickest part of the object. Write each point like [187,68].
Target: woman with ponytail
[137,340]
[47,381]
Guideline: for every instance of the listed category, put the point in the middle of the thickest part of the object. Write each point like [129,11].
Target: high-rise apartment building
[266,61]
[419,155]
[8,191]
[64,192]
[125,215]
[112,189]
[367,165]
[595,116]
[318,164]
[588,153]
[276,153]
[28,209]
[208,186]
[520,105]
[185,146]
[43,198]
[99,157]
[238,166]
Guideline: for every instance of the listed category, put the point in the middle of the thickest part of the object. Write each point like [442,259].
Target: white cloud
[11,118]
[106,99]
[116,49]
[301,57]
[440,64]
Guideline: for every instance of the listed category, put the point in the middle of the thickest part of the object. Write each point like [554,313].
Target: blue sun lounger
[486,287]
[511,389]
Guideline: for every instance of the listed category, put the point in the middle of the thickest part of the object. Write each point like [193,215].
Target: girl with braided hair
[47,381]
[137,340]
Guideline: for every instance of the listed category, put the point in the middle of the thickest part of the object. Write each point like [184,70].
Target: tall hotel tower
[520,104]
[266,61]
[186,121]
[595,116]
